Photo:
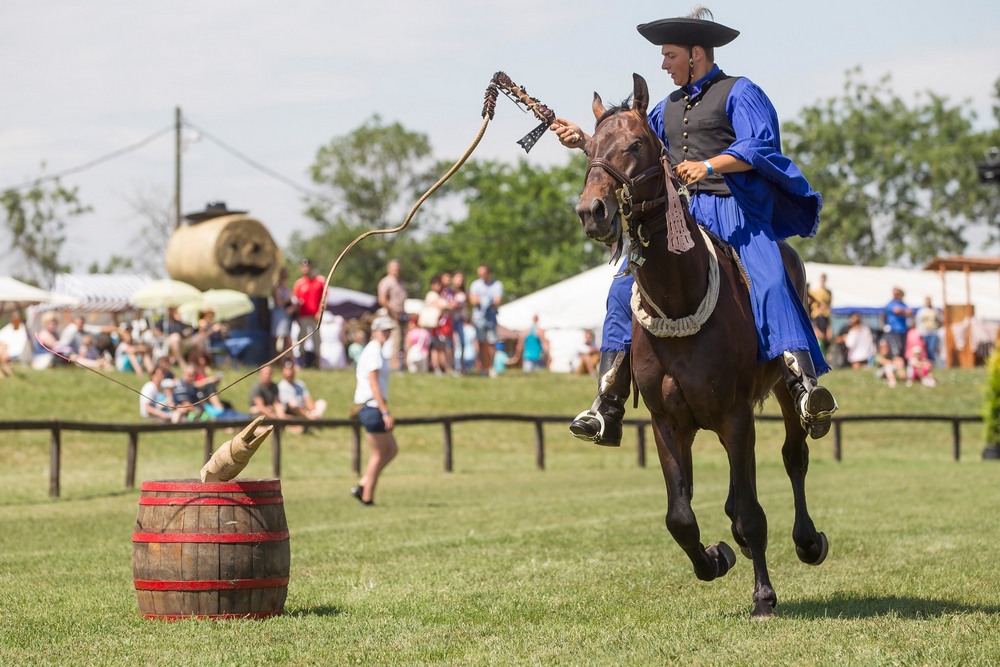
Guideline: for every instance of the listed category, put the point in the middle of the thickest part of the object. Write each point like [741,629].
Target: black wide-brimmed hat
[213,209]
[687,32]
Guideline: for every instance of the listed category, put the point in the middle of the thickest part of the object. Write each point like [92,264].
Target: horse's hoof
[764,613]
[822,545]
[724,556]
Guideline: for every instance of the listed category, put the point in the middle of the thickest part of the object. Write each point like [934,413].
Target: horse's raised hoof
[724,557]
[817,554]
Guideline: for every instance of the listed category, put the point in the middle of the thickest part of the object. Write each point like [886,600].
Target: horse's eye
[636,146]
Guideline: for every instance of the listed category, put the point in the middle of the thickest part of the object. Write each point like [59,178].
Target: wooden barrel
[215,550]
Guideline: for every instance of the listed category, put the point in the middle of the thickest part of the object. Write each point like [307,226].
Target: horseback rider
[721,134]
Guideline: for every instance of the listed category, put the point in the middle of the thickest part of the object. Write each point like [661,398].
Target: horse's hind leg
[811,546]
[675,460]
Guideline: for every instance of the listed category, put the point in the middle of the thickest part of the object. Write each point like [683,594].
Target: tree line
[899,182]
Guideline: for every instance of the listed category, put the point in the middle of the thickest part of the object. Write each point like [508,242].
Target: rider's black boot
[815,404]
[602,423]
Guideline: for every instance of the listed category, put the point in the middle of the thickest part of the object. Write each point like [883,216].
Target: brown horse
[694,343]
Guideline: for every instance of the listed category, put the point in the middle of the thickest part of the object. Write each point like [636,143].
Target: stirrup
[600,420]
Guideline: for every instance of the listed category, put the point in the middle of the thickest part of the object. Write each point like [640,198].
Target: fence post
[55,451]
[276,452]
[641,447]
[356,448]
[956,438]
[130,459]
[209,449]
[539,445]
[447,446]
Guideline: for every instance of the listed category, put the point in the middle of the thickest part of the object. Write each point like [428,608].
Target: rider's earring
[691,63]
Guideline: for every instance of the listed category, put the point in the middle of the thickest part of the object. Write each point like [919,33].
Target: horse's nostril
[598,210]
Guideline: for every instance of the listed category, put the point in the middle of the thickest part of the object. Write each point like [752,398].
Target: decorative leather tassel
[528,141]
[678,237]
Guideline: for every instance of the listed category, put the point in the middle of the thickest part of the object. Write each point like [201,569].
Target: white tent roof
[566,308]
[579,302]
[98,292]
[575,303]
[871,287]
[14,294]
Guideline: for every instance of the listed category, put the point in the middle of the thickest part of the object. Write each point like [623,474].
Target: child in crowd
[920,368]
[500,360]
[885,367]
[359,340]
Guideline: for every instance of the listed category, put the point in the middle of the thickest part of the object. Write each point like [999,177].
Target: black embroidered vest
[698,128]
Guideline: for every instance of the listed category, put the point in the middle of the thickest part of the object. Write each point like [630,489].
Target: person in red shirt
[308,291]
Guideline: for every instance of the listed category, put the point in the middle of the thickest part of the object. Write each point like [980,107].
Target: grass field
[499,563]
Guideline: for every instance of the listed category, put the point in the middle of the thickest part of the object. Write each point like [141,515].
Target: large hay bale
[227,252]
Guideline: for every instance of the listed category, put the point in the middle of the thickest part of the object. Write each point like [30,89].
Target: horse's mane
[617,108]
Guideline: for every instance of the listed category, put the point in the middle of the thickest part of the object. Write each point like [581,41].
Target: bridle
[641,229]
[629,204]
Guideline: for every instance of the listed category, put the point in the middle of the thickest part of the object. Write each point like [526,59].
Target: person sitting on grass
[294,396]
[201,402]
[920,368]
[885,365]
[264,396]
[156,399]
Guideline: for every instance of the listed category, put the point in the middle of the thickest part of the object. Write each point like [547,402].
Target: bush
[991,406]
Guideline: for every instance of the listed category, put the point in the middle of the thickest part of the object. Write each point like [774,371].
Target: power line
[93,163]
[258,166]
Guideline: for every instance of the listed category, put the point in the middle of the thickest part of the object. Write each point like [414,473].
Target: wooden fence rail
[132,430]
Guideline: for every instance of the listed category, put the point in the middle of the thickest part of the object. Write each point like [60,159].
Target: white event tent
[568,307]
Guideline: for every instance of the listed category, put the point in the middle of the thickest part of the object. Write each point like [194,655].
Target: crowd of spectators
[901,343]
[456,332]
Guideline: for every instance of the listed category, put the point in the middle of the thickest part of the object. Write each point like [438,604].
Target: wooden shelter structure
[953,313]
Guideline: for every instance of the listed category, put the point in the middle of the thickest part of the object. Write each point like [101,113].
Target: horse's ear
[598,107]
[640,94]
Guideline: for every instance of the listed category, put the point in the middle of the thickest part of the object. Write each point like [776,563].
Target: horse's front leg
[749,521]
[811,546]
[674,450]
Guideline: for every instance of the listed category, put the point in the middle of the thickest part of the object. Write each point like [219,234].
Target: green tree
[899,181]
[374,175]
[521,221]
[36,219]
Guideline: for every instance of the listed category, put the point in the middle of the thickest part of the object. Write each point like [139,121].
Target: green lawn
[499,563]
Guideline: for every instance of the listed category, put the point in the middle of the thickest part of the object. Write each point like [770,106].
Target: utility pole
[177,168]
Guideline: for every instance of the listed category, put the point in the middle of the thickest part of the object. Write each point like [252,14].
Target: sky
[276,81]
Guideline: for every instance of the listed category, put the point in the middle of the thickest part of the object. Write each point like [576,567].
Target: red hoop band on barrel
[211,538]
[232,500]
[210,585]
[213,487]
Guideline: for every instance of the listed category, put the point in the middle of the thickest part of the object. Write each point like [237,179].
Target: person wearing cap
[721,135]
[371,397]
[308,291]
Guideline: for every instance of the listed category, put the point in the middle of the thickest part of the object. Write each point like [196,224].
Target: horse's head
[624,167]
